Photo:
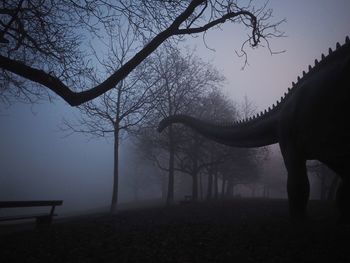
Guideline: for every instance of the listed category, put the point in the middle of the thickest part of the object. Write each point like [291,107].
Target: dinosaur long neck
[262,129]
[255,133]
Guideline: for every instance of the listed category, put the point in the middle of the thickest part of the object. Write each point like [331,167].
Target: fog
[38,161]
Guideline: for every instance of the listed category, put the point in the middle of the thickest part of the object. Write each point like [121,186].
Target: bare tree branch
[54,37]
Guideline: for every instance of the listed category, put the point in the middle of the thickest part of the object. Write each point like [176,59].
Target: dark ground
[230,231]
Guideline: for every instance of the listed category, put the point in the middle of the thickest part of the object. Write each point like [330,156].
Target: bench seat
[41,218]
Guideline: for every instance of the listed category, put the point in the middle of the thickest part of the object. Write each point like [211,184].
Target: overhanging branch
[77,98]
[222,20]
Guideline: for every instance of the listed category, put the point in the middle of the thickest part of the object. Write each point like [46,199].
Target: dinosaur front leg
[343,201]
[340,166]
[297,184]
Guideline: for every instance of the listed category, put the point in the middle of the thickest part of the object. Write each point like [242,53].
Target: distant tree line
[170,82]
[187,85]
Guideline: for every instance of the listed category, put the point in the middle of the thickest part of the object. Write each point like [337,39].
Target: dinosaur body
[309,123]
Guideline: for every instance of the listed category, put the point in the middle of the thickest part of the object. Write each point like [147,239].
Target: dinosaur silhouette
[309,123]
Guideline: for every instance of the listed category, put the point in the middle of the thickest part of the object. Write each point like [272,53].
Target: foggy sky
[36,162]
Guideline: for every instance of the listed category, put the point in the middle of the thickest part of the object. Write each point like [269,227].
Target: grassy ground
[229,231]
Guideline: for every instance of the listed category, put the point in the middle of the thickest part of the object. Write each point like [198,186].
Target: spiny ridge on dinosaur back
[311,69]
[276,106]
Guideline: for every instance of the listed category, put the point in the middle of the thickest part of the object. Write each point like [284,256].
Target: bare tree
[121,109]
[183,79]
[189,159]
[196,154]
[255,155]
[233,165]
[247,108]
[46,42]
[216,108]
[242,167]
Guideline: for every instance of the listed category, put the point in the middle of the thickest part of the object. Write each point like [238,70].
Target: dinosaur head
[163,124]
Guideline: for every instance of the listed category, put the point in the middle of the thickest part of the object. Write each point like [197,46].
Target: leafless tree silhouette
[120,109]
[46,42]
[183,79]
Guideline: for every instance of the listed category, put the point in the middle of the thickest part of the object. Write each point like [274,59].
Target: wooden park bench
[41,218]
[188,199]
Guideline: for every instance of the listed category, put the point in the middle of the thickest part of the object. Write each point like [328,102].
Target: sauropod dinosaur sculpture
[311,122]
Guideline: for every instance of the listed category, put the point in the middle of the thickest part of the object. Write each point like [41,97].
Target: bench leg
[43,220]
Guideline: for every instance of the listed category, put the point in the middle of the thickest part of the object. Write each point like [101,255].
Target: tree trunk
[229,188]
[216,185]
[115,172]
[253,190]
[223,188]
[164,188]
[195,186]
[266,193]
[136,193]
[195,177]
[170,196]
[201,186]
[210,186]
